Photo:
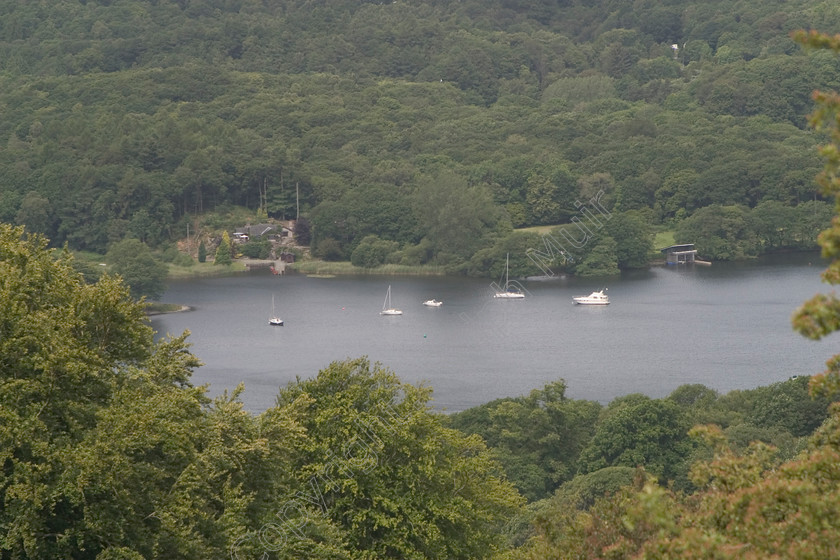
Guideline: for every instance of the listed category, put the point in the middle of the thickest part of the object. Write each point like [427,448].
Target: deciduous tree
[134,262]
[820,315]
[537,438]
[381,466]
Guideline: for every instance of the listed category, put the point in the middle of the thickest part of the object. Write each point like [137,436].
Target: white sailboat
[387,308]
[273,319]
[507,291]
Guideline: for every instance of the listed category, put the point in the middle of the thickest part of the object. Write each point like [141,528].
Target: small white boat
[508,292]
[509,295]
[273,319]
[595,298]
[387,308]
[432,303]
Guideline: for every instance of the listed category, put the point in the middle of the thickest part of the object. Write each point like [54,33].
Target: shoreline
[330,269]
[170,308]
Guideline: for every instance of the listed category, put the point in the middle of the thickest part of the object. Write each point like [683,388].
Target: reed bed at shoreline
[346,268]
[157,308]
[208,269]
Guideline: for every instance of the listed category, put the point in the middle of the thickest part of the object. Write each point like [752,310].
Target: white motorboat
[432,303]
[387,308]
[508,292]
[595,298]
[273,319]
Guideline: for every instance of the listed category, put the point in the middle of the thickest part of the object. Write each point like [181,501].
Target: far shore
[307,267]
[324,268]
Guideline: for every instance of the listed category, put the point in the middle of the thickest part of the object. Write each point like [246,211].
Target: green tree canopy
[651,433]
[379,465]
[719,232]
[537,438]
[132,260]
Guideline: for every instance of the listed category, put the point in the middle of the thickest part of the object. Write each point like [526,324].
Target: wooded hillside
[436,125]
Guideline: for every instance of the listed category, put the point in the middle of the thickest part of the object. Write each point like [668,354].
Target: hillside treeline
[110,452]
[433,127]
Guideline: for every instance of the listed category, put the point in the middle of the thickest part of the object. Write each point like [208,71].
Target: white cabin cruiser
[595,298]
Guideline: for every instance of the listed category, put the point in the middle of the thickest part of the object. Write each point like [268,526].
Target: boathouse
[680,254]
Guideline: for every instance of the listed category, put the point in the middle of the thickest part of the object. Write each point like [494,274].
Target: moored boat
[387,308]
[595,298]
[274,320]
[508,291]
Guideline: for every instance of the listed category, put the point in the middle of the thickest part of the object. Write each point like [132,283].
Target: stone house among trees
[276,232]
[256,231]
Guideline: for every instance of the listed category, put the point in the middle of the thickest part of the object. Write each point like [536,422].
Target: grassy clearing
[540,230]
[199,270]
[326,269]
[86,256]
[663,239]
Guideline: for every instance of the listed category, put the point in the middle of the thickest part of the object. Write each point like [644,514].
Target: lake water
[726,326]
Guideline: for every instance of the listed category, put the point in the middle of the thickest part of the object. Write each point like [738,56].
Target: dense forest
[428,129]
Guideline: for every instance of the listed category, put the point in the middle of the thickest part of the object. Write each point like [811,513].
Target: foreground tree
[537,438]
[379,467]
[134,262]
[107,450]
[820,315]
[748,507]
[649,433]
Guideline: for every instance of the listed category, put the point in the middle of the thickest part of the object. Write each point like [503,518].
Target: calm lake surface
[726,326]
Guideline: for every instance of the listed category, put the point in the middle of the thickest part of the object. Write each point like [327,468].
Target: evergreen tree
[223,251]
[303,231]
